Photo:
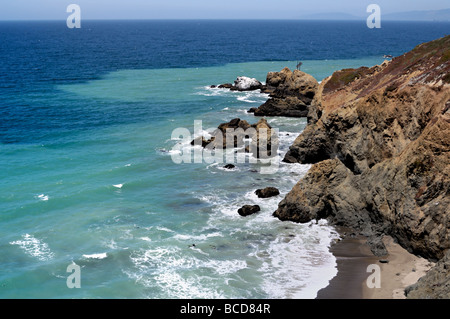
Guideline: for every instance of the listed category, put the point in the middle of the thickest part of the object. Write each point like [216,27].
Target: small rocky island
[290,93]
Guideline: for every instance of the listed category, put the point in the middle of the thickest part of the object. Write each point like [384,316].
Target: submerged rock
[225,86]
[247,210]
[267,192]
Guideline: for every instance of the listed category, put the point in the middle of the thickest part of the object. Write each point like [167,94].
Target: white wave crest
[34,247]
[96,256]
[42,197]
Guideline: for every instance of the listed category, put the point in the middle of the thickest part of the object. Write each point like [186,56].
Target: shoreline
[353,256]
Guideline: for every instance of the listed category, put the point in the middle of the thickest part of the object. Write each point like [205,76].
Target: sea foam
[96,256]
[34,247]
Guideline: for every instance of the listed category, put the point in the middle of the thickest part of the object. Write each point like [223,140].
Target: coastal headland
[378,139]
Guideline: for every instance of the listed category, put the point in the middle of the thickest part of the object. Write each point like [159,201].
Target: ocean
[87,174]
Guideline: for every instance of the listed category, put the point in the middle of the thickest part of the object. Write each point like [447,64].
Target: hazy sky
[202,9]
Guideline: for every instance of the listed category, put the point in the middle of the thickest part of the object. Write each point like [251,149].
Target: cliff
[379,139]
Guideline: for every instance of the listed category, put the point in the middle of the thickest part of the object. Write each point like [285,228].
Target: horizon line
[356,19]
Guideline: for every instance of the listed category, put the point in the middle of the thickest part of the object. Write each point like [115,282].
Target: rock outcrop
[267,192]
[262,139]
[291,94]
[379,139]
[435,284]
[242,83]
[248,210]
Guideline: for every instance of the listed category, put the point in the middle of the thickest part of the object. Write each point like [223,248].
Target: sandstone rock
[267,192]
[201,141]
[435,284]
[289,106]
[263,140]
[247,210]
[377,246]
[219,136]
[379,139]
[234,124]
[275,79]
[291,94]
[327,191]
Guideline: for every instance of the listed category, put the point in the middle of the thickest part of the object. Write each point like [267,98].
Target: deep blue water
[82,110]
[37,56]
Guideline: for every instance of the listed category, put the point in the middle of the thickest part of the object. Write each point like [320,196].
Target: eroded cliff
[379,139]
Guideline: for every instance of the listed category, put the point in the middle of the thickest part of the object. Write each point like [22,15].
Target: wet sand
[398,270]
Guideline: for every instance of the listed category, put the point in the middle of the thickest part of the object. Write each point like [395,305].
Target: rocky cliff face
[291,94]
[234,134]
[380,141]
[435,284]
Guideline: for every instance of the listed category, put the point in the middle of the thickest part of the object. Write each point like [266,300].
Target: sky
[203,9]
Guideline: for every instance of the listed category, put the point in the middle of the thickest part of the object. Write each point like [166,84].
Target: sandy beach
[398,270]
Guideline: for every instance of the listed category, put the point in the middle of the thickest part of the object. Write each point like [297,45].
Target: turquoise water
[111,199]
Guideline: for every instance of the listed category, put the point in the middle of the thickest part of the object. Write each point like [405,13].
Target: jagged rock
[247,210]
[201,141]
[435,284]
[377,246]
[289,106]
[243,83]
[379,139]
[266,89]
[275,79]
[291,94]
[263,140]
[225,86]
[234,124]
[326,191]
[267,192]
